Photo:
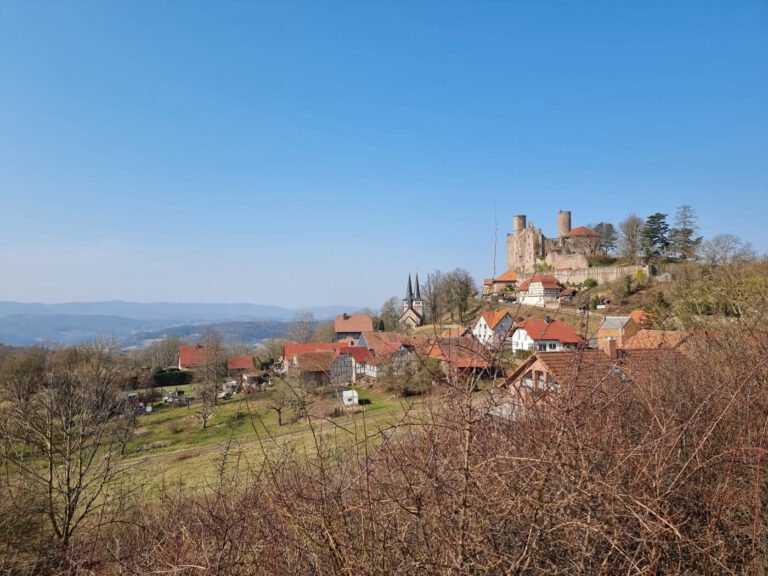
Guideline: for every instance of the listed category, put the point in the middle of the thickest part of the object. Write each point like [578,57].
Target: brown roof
[320,361]
[589,368]
[648,339]
[240,363]
[639,316]
[455,332]
[384,342]
[493,318]
[539,329]
[464,352]
[581,231]
[353,323]
[508,276]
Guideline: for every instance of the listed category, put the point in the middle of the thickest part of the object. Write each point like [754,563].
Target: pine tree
[656,236]
[684,243]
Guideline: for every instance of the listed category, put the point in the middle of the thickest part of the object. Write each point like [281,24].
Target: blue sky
[315,153]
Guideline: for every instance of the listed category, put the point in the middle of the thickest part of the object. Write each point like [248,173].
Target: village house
[493,328]
[348,327]
[544,335]
[462,358]
[292,349]
[539,290]
[312,368]
[586,372]
[501,285]
[617,327]
[191,357]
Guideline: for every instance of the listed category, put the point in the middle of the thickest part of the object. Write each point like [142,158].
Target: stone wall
[566,262]
[602,275]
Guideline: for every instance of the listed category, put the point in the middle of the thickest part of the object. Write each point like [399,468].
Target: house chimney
[548,319]
[346,316]
[608,347]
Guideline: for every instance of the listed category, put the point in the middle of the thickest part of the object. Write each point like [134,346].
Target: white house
[539,290]
[547,335]
[493,328]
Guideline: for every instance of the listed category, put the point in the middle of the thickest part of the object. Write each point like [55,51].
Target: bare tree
[390,314]
[727,249]
[631,239]
[458,287]
[301,329]
[63,419]
[434,296]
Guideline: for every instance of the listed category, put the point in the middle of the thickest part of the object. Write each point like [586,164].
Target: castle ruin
[529,250]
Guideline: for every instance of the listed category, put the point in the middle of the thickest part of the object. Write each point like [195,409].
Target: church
[413,306]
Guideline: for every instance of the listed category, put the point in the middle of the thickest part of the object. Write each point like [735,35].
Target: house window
[552,346]
[541,347]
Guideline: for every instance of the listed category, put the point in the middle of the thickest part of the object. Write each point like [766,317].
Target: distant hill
[245,332]
[25,324]
[183,312]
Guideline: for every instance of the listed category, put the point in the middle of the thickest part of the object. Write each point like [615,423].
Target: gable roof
[192,356]
[588,367]
[493,318]
[582,231]
[361,355]
[319,361]
[649,339]
[352,323]
[454,332]
[383,342]
[291,349]
[464,352]
[539,329]
[547,280]
[614,322]
[240,363]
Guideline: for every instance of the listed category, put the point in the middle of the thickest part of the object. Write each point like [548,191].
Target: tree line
[653,239]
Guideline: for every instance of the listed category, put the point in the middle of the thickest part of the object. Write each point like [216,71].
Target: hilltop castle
[528,249]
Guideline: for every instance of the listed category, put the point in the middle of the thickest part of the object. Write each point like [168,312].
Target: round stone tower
[519,222]
[563,223]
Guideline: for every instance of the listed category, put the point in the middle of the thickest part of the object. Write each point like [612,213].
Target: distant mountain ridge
[25,324]
[186,311]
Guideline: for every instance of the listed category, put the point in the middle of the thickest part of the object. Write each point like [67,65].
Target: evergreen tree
[656,236]
[684,243]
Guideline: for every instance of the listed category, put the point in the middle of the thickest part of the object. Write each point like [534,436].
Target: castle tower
[519,222]
[563,223]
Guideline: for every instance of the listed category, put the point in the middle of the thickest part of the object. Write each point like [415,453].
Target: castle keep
[528,249]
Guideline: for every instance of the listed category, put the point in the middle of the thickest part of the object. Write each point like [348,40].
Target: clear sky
[315,153]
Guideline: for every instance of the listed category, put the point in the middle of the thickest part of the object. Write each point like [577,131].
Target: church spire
[418,290]
[409,292]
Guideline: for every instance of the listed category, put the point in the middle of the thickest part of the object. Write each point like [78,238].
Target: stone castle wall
[601,275]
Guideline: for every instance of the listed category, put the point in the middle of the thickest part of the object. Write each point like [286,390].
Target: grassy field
[170,446]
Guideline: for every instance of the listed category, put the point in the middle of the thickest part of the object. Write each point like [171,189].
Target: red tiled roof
[539,329]
[353,323]
[361,355]
[493,318]
[240,363]
[384,342]
[291,349]
[192,356]
[547,280]
[581,231]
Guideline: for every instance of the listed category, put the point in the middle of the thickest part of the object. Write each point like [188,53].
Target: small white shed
[349,397]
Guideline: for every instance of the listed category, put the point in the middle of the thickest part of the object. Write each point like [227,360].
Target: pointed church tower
[418,303]
[413,307]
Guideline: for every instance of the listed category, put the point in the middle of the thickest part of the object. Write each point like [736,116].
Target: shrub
[589,283]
